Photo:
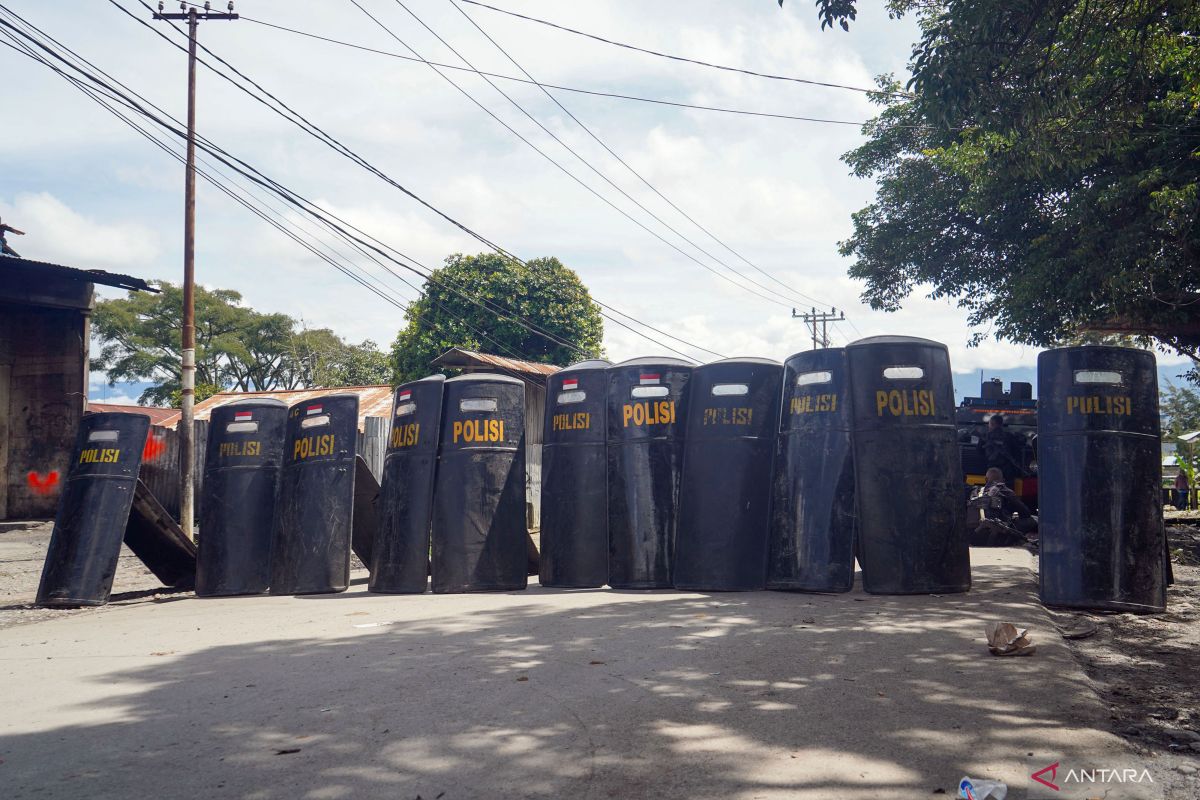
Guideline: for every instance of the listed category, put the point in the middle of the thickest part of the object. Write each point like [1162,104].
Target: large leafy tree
[1042,167]
[236,347]
[538,310]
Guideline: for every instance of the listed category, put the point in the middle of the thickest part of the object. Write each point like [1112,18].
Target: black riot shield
[241,474]
[812,507]
[647,412]
[93,510]
[310,543]
[574,483]
[478,529]
[725,490]
[400,556]
[908,469]
[1099,472]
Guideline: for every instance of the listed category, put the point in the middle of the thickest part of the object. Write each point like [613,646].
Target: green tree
[1180,408]
[543,291]
[236,347]
[1042,167]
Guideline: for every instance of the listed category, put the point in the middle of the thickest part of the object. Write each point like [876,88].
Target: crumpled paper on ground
[1006,639]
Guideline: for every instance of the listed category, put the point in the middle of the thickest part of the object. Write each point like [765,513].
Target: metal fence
[161,460]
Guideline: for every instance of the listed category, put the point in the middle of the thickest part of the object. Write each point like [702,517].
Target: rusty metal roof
[89,275]
[373,401]
[470,360]
[158,416]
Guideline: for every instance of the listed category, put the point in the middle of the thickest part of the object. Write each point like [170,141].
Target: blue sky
[90,193]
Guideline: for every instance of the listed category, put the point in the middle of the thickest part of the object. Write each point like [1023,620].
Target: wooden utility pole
[187,433]
[813,317]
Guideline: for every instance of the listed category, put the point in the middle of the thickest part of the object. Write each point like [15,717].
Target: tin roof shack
[534,376]
[45,312]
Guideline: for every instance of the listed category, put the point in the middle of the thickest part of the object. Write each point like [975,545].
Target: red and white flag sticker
[650,379]
[242,416]
[406,394]
[313,410]
[570,384]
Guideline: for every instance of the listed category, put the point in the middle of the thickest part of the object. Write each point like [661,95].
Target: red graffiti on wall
[156,445]
[40,485]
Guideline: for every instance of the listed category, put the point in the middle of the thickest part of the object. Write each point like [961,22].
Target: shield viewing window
[571,397]
[809,378]
[104,436]
[478,404]
[1098,376]
[405,409]
[314,422]
[903,373]
[649,391]
[244,427]
[727,389]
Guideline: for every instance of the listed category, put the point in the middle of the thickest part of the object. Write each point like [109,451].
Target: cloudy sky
[91,193]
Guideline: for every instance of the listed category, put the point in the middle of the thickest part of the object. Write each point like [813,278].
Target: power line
[683,59]
[267,183]
[308,127]
[630,169]
[361,276]
[549,158]
[557,87]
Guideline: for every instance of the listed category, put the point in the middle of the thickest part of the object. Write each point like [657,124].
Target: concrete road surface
[580,695]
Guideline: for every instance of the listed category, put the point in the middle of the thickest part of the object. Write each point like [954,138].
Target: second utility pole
[824,317]
[187,433]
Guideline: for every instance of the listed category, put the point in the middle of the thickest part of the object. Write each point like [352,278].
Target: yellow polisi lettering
[312,446]
[477,430]
[721,415]
[1106,405]
[905,403]
[660,412]
[405,435]
[814,404]
[100,455]
[235,449]
[580,420]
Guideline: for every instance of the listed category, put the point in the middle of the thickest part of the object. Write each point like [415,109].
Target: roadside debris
[975,789]
[1006,639]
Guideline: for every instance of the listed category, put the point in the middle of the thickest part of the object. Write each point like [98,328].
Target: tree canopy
[1042,167]
[236,347]
[502,293]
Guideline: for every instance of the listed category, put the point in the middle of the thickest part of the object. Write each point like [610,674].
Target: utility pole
[813,317]
[187,433]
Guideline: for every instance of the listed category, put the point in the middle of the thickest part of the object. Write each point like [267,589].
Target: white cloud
[773,190]
[55,232]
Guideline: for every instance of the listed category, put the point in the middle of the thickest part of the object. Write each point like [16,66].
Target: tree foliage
[1180,408]
[236,347]
[1043,169]
[541,290]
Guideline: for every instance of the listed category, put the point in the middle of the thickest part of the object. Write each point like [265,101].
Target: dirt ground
[1145,667]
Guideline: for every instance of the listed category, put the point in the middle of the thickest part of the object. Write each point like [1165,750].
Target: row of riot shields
[453,489]
[742,474]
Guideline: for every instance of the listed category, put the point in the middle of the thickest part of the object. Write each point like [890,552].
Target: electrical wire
[630,169]
[556,87]
[550,159]
[304,124]
[685,60]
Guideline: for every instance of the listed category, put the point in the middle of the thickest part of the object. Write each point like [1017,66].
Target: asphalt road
[549,694]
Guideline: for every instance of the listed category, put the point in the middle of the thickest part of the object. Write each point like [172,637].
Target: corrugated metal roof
[373,401]
[461,358]
[157,415]
[89,275]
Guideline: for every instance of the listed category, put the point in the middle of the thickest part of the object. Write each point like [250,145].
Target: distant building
[45,315]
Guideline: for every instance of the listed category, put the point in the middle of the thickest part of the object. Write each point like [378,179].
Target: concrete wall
[43,390]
